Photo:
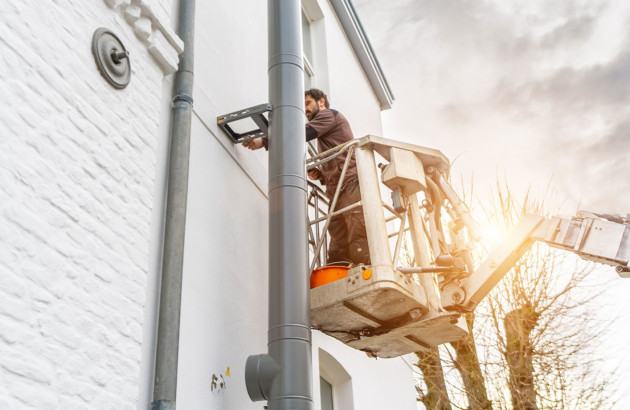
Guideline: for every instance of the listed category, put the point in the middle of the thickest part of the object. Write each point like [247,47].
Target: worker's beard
[313,113]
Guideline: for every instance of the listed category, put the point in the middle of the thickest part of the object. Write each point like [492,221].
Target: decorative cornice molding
[152,30]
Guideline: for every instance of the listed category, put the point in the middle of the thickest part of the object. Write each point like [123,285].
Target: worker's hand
[314,174]
[254,144]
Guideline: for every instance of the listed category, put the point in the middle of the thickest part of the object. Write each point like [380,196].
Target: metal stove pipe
[284,376]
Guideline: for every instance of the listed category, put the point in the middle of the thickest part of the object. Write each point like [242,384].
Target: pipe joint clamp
[287,180]
[289,331]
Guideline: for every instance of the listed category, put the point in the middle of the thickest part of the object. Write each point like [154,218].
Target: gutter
[360,43]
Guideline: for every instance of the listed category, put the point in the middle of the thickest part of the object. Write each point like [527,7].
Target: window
[326,394]
[314,46]
[335,384]
[307,48]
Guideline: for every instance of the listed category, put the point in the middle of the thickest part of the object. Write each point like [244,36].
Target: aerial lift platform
[389,310]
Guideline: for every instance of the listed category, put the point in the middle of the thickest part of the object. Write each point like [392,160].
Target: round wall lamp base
[111,57]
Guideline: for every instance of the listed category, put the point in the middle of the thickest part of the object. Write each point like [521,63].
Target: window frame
[308,66]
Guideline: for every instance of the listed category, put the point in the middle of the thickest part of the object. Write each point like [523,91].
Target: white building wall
[224,312]
[224,298]
[82,179]
[373,384]
[77,169]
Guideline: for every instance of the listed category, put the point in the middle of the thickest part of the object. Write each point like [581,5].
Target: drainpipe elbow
[260,370]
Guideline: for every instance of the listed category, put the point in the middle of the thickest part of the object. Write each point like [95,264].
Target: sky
[534,93]
[530,91]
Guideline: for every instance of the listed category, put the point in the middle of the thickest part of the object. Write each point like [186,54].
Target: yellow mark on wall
[228,371]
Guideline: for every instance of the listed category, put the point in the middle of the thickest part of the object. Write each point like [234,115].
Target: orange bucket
[327,274]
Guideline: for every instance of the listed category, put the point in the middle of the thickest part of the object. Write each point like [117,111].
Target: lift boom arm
[599,238]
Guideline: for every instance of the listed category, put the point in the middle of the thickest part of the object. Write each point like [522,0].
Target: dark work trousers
[348,239]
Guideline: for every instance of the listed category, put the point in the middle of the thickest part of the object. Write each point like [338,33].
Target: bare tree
[536,332]
[462,357]
[519,324]
[436,396]
[466,362]
[541,324]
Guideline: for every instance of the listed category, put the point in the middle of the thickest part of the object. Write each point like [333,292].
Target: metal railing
[320,214]
[413,234]
[317,233]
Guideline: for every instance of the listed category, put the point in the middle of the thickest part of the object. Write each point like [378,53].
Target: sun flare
[492,234]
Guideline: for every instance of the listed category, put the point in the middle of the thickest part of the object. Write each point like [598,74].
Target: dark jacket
[331,128]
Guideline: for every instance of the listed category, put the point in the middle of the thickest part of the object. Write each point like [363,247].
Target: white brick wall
[77,169]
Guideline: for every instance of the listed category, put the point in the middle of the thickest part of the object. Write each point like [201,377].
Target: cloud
[571,32]
[596,171]
[582,131]
[534,88]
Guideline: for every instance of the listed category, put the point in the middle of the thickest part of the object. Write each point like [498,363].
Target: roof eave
[360,43]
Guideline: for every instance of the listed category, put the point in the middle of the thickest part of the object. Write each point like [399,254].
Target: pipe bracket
[184,98]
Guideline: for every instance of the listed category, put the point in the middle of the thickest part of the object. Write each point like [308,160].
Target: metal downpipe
[289,335]
[167,343]
[284,376]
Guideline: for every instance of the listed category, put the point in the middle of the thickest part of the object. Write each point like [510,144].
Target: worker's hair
[317,94]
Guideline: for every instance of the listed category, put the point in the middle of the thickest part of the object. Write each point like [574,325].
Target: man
[348,239]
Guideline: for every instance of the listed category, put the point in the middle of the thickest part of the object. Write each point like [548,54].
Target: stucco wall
[373,384]
[82,174]
[225,277]
[77,169]
[224,299]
